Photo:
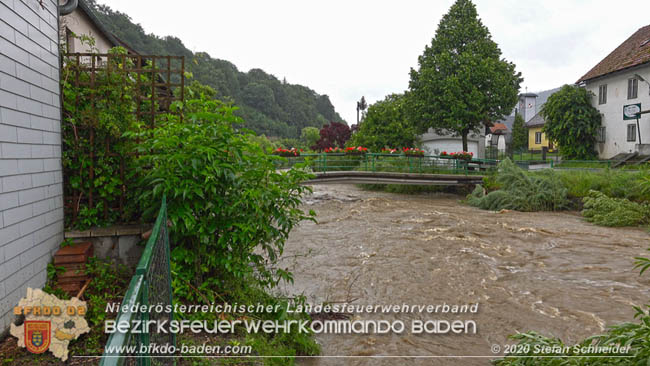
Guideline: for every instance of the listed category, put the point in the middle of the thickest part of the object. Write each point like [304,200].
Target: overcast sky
[347,49]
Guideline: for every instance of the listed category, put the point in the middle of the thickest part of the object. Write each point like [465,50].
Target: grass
[537,156]
[528,156]
[611,197]
[595,164]
[614,183]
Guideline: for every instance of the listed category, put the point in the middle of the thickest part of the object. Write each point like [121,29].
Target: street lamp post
[361,106]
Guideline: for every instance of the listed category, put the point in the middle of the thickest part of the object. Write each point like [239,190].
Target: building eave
[614,73]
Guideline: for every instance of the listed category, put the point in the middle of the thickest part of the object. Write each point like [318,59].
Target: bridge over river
[390,169]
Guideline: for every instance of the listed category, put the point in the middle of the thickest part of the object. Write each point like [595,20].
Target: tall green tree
[462,82]
[386,125]
[572,122]
[519,134]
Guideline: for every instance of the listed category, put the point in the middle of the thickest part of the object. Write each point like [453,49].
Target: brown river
[549,272]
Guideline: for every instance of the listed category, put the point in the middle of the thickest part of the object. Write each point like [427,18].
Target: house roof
[498,128]
[83,6]
[507,121]
[537,120]
[634,51]
[543,97]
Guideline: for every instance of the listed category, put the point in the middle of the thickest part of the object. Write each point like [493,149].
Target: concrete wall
[612,111]
[120,243]
[31,202]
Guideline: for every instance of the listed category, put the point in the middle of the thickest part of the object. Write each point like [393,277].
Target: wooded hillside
[269,106]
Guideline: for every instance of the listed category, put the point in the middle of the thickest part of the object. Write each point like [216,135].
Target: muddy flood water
[549,272]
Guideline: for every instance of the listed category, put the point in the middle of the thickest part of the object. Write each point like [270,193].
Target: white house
[83,21]
[434,143]
[622,81]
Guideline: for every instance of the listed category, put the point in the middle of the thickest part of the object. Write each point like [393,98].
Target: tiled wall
[31,202]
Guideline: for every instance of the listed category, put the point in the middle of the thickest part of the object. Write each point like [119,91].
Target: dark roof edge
[93,18]
[612,73]
[582,79]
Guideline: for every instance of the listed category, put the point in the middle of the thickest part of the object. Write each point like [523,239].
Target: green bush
[572,122]
[607,211]
[230,211]
[521,191]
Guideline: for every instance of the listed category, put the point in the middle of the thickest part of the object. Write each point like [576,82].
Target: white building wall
[615,127]
[31,202]
[434,144]
[528,107]
[80,24]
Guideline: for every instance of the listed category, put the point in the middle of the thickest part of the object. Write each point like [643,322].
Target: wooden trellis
[165,83]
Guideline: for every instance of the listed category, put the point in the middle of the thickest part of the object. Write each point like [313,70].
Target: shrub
[572,122]
[332,135]
[230,211]
[606,211]
[521,191]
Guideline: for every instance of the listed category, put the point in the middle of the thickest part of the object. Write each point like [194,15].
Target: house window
[538,137]
[601,134]
[69,40]
[602,94]
[631,132]
[632,88]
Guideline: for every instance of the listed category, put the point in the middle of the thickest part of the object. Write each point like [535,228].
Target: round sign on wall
[630,111]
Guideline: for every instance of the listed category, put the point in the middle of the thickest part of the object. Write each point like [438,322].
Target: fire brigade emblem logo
[37,335]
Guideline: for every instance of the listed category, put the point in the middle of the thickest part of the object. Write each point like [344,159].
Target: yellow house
[536,137]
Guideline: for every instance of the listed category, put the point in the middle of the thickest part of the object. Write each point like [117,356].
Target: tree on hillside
[462,82]
[386,125]
[519,134]
[333,135]
[572,122]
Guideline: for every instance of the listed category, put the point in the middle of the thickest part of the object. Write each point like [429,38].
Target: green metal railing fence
[373,162]
[151,285]
[434,164]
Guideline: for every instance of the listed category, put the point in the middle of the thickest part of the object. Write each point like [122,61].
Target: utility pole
[638,127]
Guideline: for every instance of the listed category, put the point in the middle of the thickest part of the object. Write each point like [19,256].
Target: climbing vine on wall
[99,100]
